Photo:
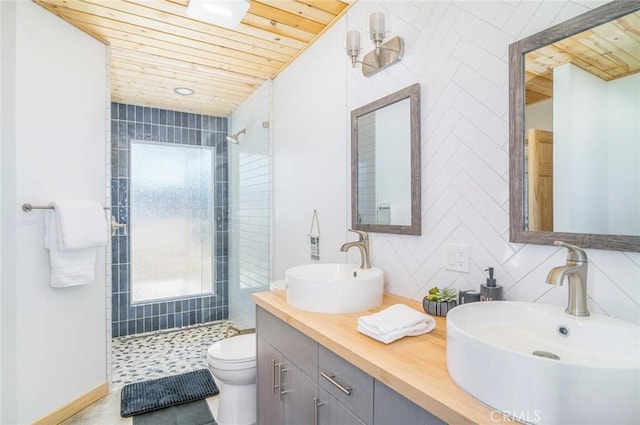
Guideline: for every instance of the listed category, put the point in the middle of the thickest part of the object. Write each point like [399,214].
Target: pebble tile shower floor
[138,358]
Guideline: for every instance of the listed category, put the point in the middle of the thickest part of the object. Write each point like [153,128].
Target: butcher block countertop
[412,366]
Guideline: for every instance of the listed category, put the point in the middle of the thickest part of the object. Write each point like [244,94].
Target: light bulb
[376,28]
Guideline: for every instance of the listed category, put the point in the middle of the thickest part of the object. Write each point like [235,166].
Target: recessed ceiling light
[225,13]
[184,91]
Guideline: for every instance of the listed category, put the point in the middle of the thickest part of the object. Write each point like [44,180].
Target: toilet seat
[235,353]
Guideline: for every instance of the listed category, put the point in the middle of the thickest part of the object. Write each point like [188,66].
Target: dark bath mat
[143,397]
[194,413]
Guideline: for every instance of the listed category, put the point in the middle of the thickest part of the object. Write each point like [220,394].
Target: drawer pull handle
[316,404]
[277,367]
[331,378]
[282,390]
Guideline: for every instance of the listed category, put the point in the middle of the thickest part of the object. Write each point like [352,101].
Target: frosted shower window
[171,221]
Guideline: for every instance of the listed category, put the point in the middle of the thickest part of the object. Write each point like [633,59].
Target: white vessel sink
[334,288]
[490,354]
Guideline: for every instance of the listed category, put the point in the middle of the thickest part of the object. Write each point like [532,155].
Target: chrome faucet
[363,245]
[576,272]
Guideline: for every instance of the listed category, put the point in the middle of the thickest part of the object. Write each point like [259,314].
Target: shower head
[234,137]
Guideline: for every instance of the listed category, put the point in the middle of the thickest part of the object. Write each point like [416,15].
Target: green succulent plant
[441,295]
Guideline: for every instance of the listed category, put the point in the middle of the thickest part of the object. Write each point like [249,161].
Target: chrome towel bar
[29,207]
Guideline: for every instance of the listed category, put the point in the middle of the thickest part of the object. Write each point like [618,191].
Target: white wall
[624,155]
[310,168]
[53,147]
[249,206]
[596,152]
[3,96]
[8,307]
[458,52]
[393,179]
[580,158]
[540,115]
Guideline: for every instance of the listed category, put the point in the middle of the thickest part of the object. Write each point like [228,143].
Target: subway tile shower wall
[159,125]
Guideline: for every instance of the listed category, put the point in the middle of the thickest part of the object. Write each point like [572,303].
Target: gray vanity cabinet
[332,412]
[346,383]
[390,408]
[287,375]
[270,407]
[299,391]
[285,392]
[302,383]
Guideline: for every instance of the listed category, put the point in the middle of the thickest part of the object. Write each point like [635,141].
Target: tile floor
[153,355]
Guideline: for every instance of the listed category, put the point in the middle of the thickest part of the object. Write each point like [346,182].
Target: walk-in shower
[197,205]
[169,185]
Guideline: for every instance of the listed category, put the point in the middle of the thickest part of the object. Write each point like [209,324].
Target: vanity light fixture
[383,55]
[224,13]
[183,91]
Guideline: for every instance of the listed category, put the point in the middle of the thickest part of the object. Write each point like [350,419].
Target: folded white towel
[397,316]
[419,329]
[81,224]
[395,322]
[68,267]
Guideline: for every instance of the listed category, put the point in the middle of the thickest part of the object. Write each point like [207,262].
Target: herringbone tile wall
[458,52]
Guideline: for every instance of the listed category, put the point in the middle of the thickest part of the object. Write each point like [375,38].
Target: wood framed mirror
[385,164]
[570,87]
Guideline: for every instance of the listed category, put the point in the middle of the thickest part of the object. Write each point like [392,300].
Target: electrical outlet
[457,257]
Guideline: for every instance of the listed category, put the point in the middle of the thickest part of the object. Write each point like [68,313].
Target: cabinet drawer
[331,412]
[392,409]
[348,384]
[301,350]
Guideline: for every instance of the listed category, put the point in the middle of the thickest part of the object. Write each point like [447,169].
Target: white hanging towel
[71,267]
[81,224]
[395,322]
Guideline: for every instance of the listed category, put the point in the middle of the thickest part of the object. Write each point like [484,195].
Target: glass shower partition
[250,193]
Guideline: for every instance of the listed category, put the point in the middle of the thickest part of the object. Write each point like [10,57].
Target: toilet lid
[239,348]
[277,285]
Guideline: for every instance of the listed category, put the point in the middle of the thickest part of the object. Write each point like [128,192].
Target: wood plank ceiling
[609,51]
[156,47]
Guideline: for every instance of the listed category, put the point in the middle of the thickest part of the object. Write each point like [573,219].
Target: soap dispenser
[490,291]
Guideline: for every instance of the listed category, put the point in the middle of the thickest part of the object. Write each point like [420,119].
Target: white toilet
[233,362]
